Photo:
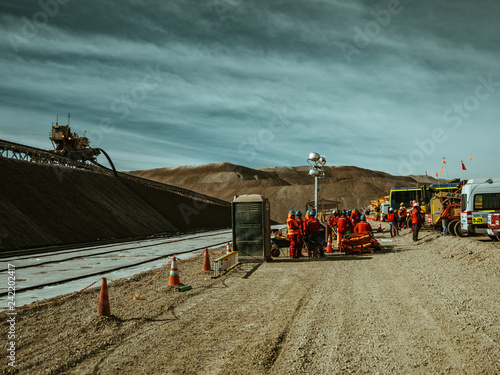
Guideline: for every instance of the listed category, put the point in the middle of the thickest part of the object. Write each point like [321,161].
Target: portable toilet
[250,215]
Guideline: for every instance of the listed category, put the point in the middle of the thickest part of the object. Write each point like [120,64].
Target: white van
[479,198]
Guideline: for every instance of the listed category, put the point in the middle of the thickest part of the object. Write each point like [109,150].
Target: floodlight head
[313,156]
[489,181]
[322,160]
[314,172]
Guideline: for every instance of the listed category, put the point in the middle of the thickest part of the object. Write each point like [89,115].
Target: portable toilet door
[251,226]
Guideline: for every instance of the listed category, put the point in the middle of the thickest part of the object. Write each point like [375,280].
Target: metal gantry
[36,155]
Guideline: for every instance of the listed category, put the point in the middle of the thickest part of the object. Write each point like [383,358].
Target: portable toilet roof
[249,198]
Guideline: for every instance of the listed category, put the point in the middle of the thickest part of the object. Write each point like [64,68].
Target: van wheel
[459,231]
[451,227]
[493,238]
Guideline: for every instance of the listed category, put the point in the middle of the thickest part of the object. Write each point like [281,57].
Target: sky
[392,85]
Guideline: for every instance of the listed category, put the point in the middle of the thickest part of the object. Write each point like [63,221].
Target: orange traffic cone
[228,248]
[174,273]
[103,307]
[206,262]
[379,229]
[329,245]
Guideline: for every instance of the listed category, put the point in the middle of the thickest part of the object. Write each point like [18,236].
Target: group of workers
[307,232]
[303,232]
[397,219]
[346,222]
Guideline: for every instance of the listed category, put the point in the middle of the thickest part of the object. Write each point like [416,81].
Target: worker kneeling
[363,226]
[312,238]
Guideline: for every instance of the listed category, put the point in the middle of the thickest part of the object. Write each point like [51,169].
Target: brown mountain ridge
[286,187]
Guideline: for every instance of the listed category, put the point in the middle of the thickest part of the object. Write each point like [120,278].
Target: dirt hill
[286,187]
[44,205]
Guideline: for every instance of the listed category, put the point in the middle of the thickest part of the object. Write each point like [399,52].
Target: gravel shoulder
[425,307]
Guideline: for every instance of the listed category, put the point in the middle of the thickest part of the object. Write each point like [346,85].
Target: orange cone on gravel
[228,248]
[329,245]
[379,229]
[206,262]
[174,273]
[103,307]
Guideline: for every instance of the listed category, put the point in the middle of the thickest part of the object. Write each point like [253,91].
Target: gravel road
[425,307]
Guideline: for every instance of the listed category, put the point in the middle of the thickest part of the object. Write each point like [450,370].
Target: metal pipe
[316,194]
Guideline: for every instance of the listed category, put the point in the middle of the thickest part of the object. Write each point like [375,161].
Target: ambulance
[480,197]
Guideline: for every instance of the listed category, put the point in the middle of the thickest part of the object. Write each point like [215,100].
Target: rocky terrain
[426,307]
[286,187]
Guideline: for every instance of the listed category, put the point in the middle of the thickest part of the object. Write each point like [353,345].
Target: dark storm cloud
[254,83]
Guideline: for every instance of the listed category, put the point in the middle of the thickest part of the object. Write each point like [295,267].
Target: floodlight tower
[316,161]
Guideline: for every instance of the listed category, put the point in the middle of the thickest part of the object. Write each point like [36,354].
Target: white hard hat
[416,204]
[391,209]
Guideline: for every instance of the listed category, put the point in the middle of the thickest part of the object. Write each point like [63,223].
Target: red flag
[470,157]
[425,173]
[437,175]
[442,170]
[444,161]
[463,166]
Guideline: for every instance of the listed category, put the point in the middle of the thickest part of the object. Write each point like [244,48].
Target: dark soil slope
[45,205]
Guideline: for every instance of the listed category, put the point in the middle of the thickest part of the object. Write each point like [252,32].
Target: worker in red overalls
[336,216]
[300,237]
[293,234]
[355,218]
[363,226]
[329,225]
[314,240]
[402,216]
[343,224]
[416,219]
[350,226]
[392,219]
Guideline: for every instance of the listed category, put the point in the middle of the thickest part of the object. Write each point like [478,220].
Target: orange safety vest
[363,226]
[300,223]
[391,217]
[292,226]
[402,212]
[416,215]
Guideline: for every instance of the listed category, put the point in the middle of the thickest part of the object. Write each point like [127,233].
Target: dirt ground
[413,308]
